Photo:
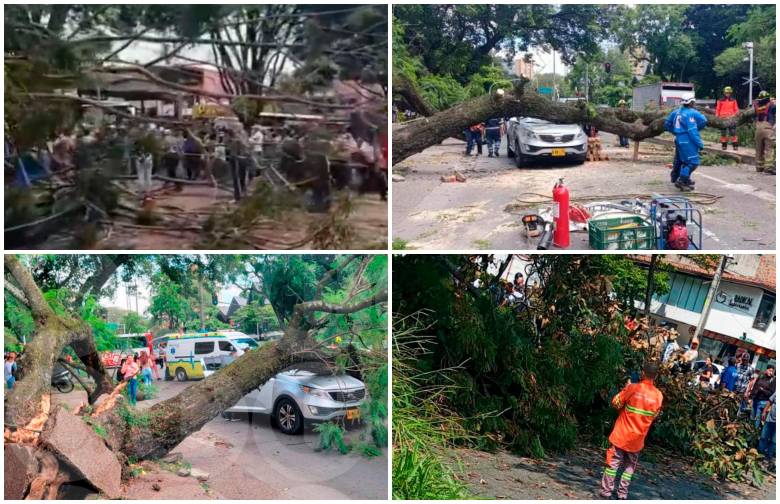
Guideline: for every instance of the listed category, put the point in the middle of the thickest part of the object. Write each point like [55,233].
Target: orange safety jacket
[727,107]
[639,404]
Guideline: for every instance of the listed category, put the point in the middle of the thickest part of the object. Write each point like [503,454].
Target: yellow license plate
[559,152]
[353,414]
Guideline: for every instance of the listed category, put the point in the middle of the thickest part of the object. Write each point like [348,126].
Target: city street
[484,212]
[248,459]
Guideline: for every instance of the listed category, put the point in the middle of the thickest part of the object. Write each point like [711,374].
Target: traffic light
[608,67]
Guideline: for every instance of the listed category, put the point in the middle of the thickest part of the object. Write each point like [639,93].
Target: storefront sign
[738,301]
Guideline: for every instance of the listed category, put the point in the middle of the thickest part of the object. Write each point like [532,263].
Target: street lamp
[750,80]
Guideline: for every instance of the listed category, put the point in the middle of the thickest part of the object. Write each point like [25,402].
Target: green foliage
[522,381]
[423,425]
[168,303]
[134,323]
[399,244]
[331,437]
[131,416]
[147,391]
[256,316]
[91,313]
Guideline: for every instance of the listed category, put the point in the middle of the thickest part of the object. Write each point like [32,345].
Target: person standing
[129,371]
[671,346]
[766,443]
[9,372]
[474,138]
[639,405]
[762,390]
[726,108]
[764,108]
[705,377]
[685,122]
[728,378]
[623,105]
[493,132]
[145,363]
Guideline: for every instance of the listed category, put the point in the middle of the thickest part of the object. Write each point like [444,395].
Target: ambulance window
[204,347]
[225,346]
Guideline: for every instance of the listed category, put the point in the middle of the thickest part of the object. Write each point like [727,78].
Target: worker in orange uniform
[639,405]
[724,109]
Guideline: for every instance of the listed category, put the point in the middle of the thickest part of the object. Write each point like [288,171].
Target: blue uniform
[685,123]
[493,135]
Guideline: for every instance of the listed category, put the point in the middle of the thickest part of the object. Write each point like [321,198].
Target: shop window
[765,314]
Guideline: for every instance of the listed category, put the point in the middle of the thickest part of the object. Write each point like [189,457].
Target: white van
[189,355]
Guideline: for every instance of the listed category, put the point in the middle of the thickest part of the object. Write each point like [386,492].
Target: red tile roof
[765,276]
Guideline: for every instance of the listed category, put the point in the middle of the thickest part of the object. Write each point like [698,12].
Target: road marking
[710,234]
[743,188]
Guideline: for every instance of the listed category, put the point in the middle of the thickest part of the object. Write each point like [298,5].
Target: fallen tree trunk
[519,102]
[132,434]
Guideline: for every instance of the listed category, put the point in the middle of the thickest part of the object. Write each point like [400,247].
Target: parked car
[698,367]
[531,139]
[296,397]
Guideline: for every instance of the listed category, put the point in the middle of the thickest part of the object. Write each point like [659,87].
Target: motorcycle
[60,379]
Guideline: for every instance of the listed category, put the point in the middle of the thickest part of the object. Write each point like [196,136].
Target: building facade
[742,317]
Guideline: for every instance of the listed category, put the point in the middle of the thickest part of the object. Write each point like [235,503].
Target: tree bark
[419,135]
[53,334]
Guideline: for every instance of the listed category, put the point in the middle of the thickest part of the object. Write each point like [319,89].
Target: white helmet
[688,101]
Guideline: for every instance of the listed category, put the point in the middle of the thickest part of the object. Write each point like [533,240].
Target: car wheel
[288,417]
[227,415]
[181,374]
[520,159]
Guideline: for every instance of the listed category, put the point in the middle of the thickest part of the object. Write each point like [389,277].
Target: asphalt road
[248,459]
[577,475]
[435,215]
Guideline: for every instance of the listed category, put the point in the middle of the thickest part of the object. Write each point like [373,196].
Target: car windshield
[244,343]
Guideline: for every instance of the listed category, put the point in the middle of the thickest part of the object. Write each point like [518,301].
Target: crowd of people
[755,388]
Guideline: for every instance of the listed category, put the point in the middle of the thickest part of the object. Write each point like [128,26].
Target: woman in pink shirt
[130,370]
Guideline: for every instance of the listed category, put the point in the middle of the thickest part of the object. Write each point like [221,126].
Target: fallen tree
[115,432]
[419,135]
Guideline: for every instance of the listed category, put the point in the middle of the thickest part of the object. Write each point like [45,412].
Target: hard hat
[689,101]
[622,102]
[763,94]
[728,89]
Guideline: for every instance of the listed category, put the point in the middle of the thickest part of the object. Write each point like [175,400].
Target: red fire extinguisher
[561,215]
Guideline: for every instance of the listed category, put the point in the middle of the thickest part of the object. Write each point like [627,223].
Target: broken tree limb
[519,102]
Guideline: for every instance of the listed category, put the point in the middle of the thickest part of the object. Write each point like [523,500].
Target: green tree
[759,28]
[256,318]
[134,323]
[167,303]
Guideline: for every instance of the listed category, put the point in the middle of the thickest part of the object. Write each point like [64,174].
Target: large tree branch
[35,300]
[419,135]
[108,265]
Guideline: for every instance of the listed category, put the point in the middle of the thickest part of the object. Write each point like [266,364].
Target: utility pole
[553,93]
[705,313]
[587,85]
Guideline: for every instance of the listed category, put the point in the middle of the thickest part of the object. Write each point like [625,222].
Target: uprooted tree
[418,135]
[129,435]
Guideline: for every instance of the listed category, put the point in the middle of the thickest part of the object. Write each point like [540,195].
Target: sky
[120,297]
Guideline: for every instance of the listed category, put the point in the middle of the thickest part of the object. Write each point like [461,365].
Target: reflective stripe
[610,471]
[626,476]
[639,411]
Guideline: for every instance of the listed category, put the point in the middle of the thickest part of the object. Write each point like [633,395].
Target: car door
[259,400]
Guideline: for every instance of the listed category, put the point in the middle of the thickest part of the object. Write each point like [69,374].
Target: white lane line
[743,188]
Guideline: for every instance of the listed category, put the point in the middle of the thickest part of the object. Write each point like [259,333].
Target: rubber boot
[735,147]
[724,146]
